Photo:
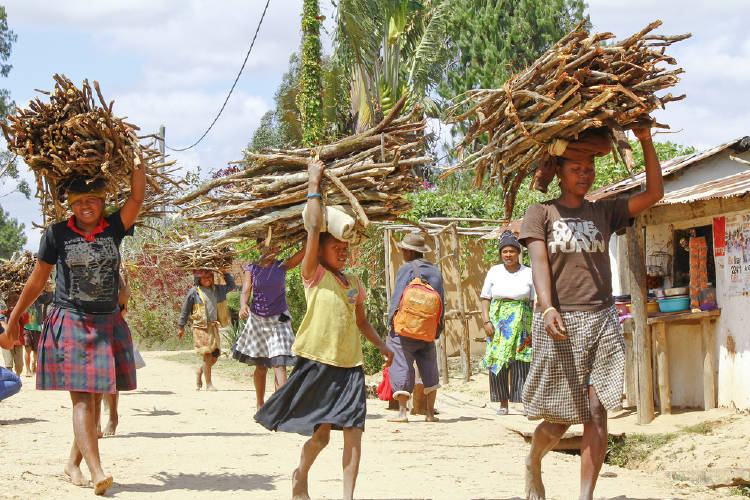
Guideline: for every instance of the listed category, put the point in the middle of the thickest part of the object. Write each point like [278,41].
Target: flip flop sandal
[501,411]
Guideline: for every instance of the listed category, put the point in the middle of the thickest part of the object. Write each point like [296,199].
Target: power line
[231,89]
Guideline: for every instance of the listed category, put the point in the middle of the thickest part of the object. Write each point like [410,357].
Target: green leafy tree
[12,237]
[8,160]
[492,39]
[311,76]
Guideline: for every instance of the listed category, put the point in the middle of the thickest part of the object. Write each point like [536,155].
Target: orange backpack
[419,310]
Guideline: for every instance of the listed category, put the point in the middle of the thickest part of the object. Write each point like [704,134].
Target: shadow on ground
[164,435]
[22,420]
[149,393]
[138,412]
[199,482]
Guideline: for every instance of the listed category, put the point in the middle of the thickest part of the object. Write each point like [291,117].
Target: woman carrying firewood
[266,341]
[85,346]
[576,372]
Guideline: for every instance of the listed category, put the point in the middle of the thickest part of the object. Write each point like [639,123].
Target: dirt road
[174,442]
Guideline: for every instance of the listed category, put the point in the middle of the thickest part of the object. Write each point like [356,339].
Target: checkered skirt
[561,370]
[85,353]
[265,341]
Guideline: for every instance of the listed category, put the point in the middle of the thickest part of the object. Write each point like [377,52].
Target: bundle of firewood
[578,84]
[74,136]
[201,257]
[368,171]
[15,272]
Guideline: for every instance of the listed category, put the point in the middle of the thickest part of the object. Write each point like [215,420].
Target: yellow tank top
[329,333]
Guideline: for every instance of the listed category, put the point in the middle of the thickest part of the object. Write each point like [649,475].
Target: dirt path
[174,442]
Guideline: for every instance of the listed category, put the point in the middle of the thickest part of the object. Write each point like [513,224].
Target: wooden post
[442,346]
[662,367]
[707,344]
[464,335]
[387,252]
[641,330]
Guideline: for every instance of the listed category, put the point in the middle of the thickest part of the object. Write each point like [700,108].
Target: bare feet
[75,475]
[99,430]
[110,428]
[210,387]
[432,418]
[103,485]
[534,485]
[198,379]
[299,487]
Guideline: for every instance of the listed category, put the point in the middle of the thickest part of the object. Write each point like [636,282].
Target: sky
[172,62]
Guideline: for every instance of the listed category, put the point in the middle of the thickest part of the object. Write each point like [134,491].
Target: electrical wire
[252,43]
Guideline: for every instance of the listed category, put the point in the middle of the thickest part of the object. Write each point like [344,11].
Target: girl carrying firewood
[326,389]
[576,372]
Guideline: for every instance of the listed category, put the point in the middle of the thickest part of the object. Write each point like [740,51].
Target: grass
[741,491]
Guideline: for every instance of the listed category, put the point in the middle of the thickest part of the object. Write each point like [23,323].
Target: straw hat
[414,241]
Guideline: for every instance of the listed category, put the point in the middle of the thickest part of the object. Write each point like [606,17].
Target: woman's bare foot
[534,485]
[432,418]
[110,428]
[210,387]
[198,379]
[75,475]
[299,487]
[101,486]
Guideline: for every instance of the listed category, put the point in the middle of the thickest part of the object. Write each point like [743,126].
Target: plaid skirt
[561,370]
[85,353]
[266,341]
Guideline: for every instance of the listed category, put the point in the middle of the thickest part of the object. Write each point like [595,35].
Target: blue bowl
[674,304]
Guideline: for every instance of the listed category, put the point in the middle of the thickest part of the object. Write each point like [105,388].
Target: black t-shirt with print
[87,271]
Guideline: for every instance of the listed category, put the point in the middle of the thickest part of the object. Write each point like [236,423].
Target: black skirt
[316,394]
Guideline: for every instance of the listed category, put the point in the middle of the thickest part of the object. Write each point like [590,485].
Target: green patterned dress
[511,320]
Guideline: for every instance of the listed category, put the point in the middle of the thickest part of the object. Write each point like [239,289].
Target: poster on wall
[745,228]
[719,237]
[735,241]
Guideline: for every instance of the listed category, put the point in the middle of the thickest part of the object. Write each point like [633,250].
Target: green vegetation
[12,236]
[631,449]
[311,75]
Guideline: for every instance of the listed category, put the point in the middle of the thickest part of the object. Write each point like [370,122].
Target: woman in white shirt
[507,295]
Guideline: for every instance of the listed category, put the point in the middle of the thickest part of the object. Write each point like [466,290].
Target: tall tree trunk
[309,99]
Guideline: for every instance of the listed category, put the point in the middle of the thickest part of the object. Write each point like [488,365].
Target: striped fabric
[502,389]
[85,353]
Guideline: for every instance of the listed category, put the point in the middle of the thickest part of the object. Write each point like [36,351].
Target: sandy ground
[174,442]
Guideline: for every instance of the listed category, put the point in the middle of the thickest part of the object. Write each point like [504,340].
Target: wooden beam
[665,214]
[709,379]
[464,341]
[662,367]
[641,331]
[387,252]
[442,343]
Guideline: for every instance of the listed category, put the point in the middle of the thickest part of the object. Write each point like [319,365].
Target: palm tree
[390,47]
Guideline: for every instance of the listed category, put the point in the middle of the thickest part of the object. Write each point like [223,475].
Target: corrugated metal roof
[726,187]
[668,168]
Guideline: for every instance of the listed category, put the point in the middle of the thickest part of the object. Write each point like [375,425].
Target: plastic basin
[675,304]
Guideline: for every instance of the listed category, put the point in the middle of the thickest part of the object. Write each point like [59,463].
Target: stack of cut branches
[74,136]
[579,83]
[15,272]
[202,257]
[369,171]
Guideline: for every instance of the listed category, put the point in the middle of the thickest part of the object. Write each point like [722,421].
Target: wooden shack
[691,359]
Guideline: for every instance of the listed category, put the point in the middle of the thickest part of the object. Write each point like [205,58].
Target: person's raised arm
[131,208]
[542,277]
[228,280]
[370,334]
[295,259]
[32,289]
[654,182]
[247,288]
[310,261]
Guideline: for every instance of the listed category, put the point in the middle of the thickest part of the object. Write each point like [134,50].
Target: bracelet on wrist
[550,308]
[313,195]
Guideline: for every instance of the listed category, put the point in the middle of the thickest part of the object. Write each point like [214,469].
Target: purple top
[269,289]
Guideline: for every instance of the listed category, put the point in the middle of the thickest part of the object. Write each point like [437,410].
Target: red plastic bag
[385,393]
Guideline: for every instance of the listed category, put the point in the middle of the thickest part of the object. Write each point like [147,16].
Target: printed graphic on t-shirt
[573,234]
[91,265]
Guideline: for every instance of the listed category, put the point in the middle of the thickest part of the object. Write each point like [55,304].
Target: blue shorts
[405,352]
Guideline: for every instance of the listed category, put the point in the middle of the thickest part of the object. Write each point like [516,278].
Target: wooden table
[658,325]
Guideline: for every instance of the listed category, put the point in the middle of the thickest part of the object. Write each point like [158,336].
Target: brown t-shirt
[577,249]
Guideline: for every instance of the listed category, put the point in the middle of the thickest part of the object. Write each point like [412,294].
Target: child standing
[206,306]
[33,330]
[266,341]
[326,390]
[13,356]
